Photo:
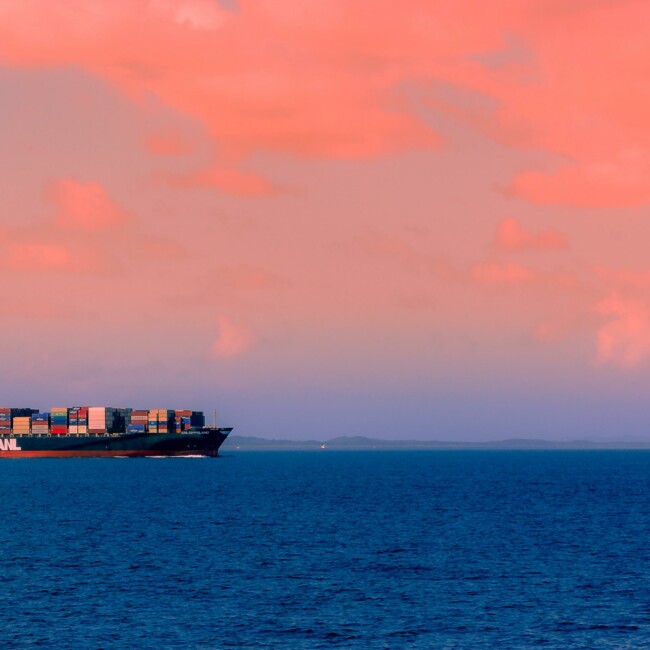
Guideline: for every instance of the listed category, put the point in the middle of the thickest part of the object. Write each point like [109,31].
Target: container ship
[96,431]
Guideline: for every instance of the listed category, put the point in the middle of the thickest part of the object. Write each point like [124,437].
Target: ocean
[331,549]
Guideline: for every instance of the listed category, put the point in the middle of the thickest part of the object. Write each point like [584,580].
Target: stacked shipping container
[153,421]
[165,421]
[5,421]
[22,425]
[168,421]
[184,420]
[139,420]
[7,416]
[82,420]
[41,424]
[59,421]
[73,420]
[121,420]
[99,420]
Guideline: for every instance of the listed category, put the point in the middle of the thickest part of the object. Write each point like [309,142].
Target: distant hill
[245,443]
[249,442]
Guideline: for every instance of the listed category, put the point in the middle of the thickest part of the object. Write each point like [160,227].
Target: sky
[422,220]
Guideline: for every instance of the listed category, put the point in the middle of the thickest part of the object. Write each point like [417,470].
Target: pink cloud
[196,14]
[512,236]
[588,184]
[335,80]
[168,143]
[37,250]
[40,257]
[86,206]
[232,339]
[267,77]
[228,180]
[581,102]
[502,273]
[624,340]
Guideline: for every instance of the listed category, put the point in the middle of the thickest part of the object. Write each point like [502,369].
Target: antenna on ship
[214,419]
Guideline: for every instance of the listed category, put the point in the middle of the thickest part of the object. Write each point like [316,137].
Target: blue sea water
[403,549]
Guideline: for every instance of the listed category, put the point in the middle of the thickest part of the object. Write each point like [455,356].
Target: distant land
[245,443]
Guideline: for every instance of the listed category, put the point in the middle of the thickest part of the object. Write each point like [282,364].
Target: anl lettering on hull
[9,445]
